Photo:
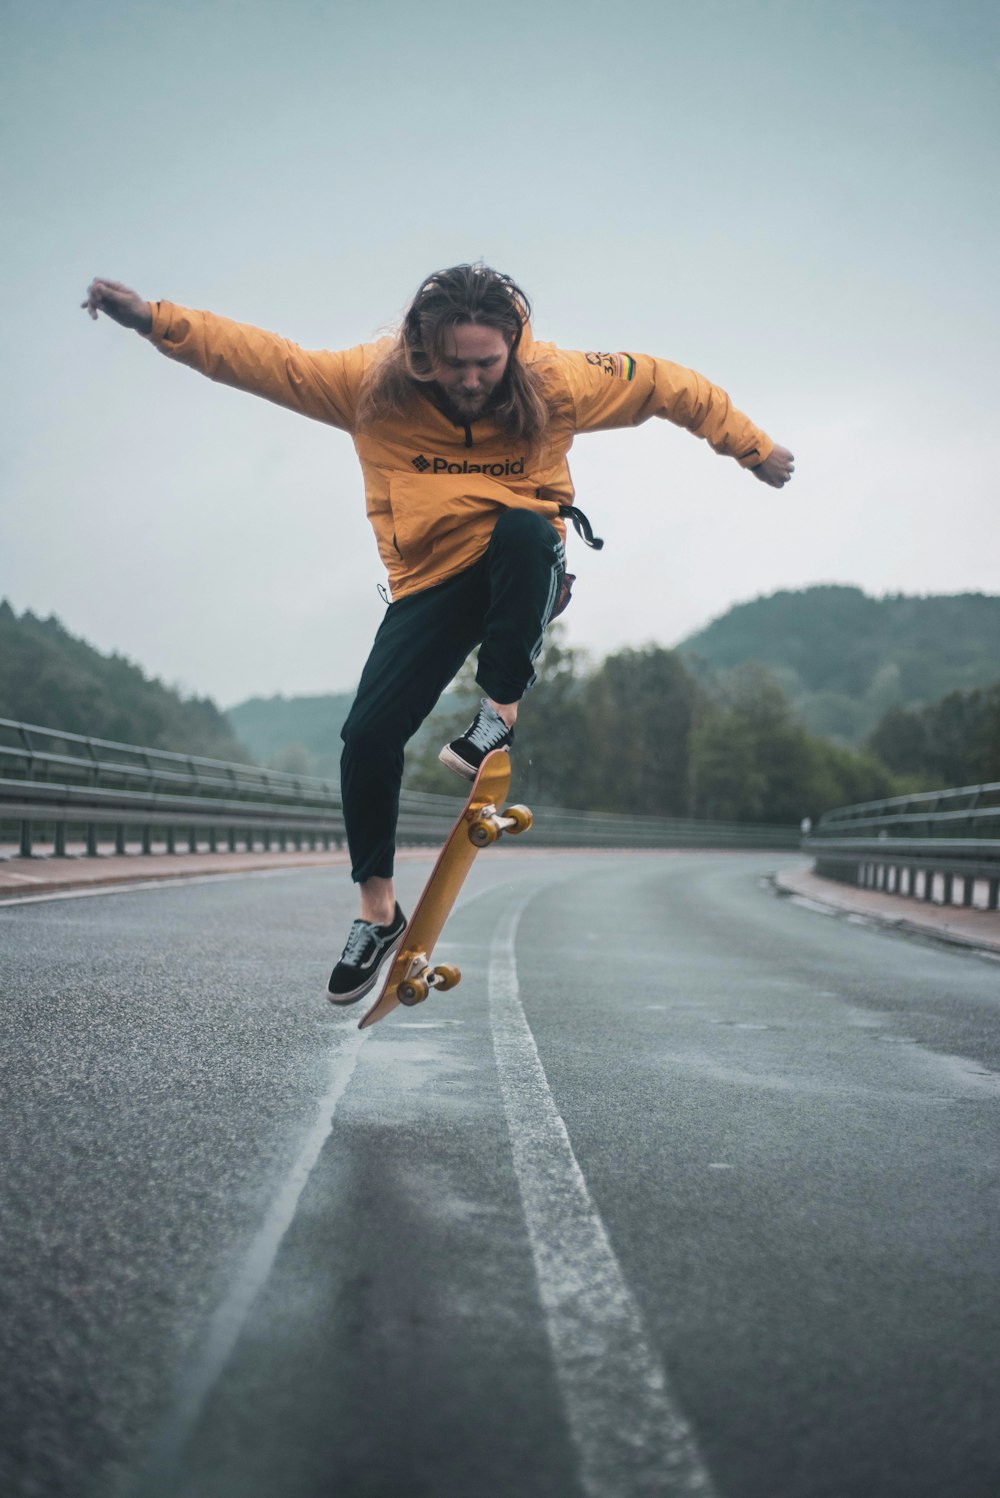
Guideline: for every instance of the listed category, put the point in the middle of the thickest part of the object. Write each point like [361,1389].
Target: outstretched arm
[617,390]
[121,304]
[777,468]
[320,383]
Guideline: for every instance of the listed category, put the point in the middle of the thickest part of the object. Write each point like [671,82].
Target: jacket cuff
[757,455]
[162,316]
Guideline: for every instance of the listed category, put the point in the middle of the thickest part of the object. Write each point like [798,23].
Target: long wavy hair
[463,294]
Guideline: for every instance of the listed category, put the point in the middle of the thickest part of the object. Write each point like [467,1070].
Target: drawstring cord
[582,527]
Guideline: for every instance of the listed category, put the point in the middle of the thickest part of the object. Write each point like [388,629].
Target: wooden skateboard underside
[442,888]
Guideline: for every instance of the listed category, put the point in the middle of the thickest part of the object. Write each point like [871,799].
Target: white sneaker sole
[457,763]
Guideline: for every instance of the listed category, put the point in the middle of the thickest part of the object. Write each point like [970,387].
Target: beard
[468,407]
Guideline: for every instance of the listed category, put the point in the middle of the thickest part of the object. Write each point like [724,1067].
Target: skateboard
[413,973]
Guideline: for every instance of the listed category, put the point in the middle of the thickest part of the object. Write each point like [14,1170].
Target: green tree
[955,741]
[754,762]
[984,750]
[640,708]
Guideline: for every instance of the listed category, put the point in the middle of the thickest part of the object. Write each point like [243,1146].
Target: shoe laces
[488,729]
[360,939]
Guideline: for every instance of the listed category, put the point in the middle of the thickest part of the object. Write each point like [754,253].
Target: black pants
[502,603]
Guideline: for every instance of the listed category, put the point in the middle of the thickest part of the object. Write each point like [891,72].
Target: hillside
[301,734]
[49,677]
[844,658]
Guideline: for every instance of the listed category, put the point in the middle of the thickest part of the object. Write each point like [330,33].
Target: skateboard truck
[421,978]
[486,824]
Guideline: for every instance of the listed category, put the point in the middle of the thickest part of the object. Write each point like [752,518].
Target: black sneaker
[486,732]
[367,948]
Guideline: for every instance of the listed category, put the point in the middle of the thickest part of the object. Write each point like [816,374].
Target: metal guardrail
[53,781]
[921,846]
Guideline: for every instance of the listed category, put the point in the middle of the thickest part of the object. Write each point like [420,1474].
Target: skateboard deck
[413,974]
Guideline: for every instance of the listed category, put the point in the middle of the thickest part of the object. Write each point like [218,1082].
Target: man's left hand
[776,469]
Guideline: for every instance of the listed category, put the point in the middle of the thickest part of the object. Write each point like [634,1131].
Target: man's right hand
[120,303]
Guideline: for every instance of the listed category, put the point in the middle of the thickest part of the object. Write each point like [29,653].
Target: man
[462,424]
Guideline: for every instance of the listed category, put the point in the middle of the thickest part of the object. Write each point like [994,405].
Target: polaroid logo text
[495,470]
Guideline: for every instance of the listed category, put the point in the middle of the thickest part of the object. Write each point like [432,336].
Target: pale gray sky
[797,198]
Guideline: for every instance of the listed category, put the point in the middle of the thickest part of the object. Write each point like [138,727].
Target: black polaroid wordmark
[495,470]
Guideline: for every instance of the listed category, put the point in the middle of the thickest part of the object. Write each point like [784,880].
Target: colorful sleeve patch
[620,366]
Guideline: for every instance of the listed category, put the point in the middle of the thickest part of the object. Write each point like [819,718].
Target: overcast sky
[799,199]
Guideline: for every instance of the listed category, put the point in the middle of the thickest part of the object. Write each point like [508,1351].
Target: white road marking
[230,1316]
[631,1439]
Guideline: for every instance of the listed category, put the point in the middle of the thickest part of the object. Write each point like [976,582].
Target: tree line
[49,677]
[648,731]
[640,733]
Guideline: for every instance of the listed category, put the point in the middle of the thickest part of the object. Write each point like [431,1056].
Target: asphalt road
[687,1189]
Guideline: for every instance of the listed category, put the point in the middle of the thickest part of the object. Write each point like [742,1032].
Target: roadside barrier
[54,784]
[935,846]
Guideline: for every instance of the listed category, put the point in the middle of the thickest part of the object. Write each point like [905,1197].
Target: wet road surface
[686,1189]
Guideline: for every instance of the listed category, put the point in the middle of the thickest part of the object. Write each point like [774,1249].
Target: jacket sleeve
[320,383]
[620,390]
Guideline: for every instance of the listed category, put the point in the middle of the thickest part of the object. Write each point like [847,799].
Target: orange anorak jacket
[433,486]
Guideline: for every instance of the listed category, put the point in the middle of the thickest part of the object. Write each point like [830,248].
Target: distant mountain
[49,677]
[301,734]
[844,658]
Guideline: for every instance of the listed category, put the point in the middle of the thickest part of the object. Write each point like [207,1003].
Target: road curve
[687,1189]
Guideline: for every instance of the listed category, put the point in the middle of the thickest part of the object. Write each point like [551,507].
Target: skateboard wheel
[412,991]
[483,833]
[448,976]
[521,817]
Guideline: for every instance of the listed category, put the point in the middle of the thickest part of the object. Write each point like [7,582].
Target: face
[472,364]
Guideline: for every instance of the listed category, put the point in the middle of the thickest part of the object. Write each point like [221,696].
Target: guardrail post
[929,886]
[91,839]
[25,849]
[171,841]
[192,839]
[147,838]
[213,840]
[231,839]
[993,895]
[120,838]
[59,845]
[949,888]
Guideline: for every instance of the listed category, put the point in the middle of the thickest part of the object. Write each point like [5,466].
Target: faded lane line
[161,1469]
[231,1315]
[631,1439]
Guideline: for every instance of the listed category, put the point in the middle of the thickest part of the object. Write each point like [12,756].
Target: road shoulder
[979,929]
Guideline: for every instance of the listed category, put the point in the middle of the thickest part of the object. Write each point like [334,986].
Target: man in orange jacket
[462,424]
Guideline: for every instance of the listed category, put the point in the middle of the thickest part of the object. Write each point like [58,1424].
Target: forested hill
[49,677]
[300,734]
[844,658]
